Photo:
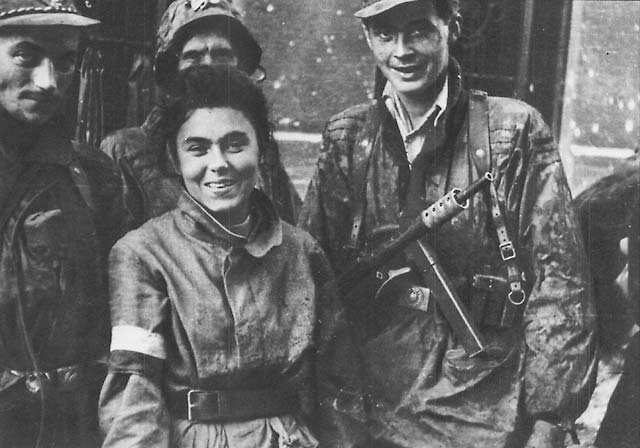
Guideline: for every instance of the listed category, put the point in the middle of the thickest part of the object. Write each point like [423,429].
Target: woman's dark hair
[201,87]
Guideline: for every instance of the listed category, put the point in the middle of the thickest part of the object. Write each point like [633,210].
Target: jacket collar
[266,230]
[454,112]
[51,148]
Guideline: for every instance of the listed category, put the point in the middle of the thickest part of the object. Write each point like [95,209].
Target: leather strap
[359,184]
[62,379]
[230,405]
[480,150]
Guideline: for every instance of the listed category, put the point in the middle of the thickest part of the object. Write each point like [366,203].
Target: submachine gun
[428,265]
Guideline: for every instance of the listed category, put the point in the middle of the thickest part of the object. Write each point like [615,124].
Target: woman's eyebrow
[194,139]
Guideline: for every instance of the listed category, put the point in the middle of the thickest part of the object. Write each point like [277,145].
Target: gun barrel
[474,188]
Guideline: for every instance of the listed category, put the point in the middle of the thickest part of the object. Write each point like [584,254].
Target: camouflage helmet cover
[42,13]
[182,15]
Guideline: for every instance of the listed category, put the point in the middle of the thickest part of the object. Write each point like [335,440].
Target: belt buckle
[507,251]
[191,405]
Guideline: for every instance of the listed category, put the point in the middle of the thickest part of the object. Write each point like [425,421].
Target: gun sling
[480,149]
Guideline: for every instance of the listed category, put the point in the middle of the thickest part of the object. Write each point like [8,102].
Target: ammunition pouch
[493,304]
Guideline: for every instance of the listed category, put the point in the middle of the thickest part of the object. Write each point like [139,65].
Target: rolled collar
[266,230]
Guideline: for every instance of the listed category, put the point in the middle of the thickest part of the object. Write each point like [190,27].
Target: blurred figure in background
[610,216]
[191,32]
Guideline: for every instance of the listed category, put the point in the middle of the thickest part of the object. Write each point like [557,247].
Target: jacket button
[415,295]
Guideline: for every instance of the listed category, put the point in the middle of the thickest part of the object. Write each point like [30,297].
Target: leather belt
[62,379]
[229,405]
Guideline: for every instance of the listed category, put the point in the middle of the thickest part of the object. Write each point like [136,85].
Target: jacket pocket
[45,238]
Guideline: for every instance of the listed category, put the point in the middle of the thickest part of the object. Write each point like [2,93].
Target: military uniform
[424,389]
[151,184]
[60,220]
[59,216]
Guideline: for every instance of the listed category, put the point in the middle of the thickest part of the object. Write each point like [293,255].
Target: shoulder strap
[479,147]
[479,144]
[359,180]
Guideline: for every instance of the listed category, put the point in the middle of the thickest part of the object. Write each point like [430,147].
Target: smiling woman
[221,302]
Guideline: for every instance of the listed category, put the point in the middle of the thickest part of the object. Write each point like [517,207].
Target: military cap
[42,13]
[372,8]
[181,15]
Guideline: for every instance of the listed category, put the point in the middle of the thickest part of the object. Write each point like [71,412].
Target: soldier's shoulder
[349,121]
[100,169]
[151,233]
[92,159]
[511,119]
[513,114]
[124,143]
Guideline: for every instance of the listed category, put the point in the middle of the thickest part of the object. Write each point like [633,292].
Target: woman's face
[217,155]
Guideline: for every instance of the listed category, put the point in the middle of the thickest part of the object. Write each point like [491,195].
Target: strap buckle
[507,251]
[210,396]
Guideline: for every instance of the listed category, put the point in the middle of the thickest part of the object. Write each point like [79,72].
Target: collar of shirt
[410,132]
[265,232]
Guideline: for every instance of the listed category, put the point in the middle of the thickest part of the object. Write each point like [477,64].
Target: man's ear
[455,28]
[365,30]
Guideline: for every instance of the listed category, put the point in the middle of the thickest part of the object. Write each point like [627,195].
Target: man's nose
[206,60]
[402,47]
[44,75]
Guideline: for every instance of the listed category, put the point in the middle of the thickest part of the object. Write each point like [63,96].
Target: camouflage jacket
[62,217]
[425,391]
[152,186]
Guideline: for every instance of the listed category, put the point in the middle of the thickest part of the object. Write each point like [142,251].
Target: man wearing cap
[191,32]
[513,255]
[58,219]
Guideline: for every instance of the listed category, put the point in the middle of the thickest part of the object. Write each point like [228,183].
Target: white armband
[136,339]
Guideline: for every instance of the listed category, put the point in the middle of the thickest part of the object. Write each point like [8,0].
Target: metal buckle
[191,405]
[507,251]
[516,297]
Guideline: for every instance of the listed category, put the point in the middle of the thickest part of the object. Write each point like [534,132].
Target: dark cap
[372,8]
[42,13]
[181,15]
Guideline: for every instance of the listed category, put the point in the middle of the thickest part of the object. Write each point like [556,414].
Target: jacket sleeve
[117,147]
[559,319]
[325,213]
[337,365]
[132,408]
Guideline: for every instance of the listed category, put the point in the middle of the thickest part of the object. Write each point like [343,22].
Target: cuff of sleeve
[136,339]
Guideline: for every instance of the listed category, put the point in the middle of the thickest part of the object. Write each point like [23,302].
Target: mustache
[41,97]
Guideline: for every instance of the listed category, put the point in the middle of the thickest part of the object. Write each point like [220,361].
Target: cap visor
[51,19]
[379,8]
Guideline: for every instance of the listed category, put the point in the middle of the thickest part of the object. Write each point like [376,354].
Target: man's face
[207,47]
[36,68]
[410,44]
